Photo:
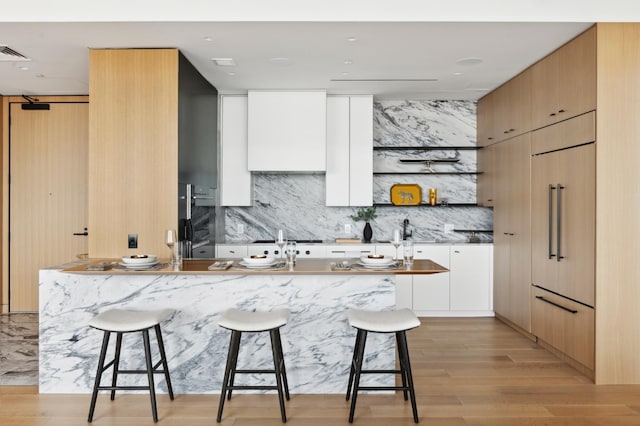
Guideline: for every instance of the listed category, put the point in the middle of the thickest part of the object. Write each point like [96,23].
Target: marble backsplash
[295,202]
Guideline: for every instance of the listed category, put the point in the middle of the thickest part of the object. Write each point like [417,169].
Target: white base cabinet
[466,290]
[471,278]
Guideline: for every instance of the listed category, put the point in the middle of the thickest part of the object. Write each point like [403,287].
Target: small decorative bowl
[260,259]
[136,259]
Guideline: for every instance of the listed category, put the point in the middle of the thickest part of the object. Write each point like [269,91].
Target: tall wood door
[48,194]
[512,252]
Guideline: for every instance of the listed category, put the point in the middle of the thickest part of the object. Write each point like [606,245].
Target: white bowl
[139,259]
[376,260]
[259,260]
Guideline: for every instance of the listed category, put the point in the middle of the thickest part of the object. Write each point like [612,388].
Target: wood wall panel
[133,151]
[618,204]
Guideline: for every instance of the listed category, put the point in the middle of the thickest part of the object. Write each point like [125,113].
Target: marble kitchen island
[317,341]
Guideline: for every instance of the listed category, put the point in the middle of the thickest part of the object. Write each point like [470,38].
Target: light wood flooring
[468,371]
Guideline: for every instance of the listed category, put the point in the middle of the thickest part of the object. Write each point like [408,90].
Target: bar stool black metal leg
[353,362]
[276,365]
[283,367]
[163,356]
[401,356]
[152,388]
[358,369]
[94,395]
[405,348]
[234,364]
[116,365]
[227,371]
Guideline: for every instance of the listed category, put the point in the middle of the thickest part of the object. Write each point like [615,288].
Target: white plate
[139,266]
[370,266]
[253,266]
[386,261]
[132,260]
[269,260]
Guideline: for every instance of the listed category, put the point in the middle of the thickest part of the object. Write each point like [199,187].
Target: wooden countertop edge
[302,267]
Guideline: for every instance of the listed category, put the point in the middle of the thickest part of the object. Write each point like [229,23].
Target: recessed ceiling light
[231,73]
[207,38]
[348,62]
[345,73]
[224,62]
[23,68]
[457,73]
[281,61]
[469,61]
[351,39]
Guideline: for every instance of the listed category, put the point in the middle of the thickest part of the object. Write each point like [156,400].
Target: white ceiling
[400,43]
[409,54]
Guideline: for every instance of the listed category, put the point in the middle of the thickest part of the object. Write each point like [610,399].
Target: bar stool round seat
[398,322]
[121,321]
[236,319]
[126,321]
[383,321]
[239,321]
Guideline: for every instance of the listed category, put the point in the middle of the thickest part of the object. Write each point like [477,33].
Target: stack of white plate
[258,262]
[139,261]
[376,262]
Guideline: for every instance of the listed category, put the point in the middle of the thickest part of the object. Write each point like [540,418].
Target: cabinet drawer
[350,250]
[566,325]
[231,251]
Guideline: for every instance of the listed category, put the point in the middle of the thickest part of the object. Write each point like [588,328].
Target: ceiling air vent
[7,54]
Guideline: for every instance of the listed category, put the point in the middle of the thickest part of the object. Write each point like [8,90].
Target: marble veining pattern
[296,202]
[19,349]
[317,341]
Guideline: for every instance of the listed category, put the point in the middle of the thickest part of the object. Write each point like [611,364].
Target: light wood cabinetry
[485,131]
[563,215]
[512,107]
[512,265]
[565,324]
[236,184]
[287,130]
[349,151]
[512,234]
[486,174]
[564,83]
[133,149]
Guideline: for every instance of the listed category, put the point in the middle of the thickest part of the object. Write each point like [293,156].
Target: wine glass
[170,240]
[280,242]
[397,241]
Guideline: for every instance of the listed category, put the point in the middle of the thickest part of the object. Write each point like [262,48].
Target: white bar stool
[244,321]
[397,322]
[122,321]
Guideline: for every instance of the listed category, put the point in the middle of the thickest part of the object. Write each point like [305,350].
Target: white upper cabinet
[349,175]
[235,178]
[287,131]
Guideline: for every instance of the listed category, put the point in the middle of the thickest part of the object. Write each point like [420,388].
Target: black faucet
[405,234]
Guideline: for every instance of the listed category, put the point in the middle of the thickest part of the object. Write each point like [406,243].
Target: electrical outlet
[133,241]
[347,228]
[240,228]
[448,228]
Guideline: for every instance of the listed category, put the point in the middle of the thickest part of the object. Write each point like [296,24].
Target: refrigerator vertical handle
[188,200]
[551,188]
[559,223]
